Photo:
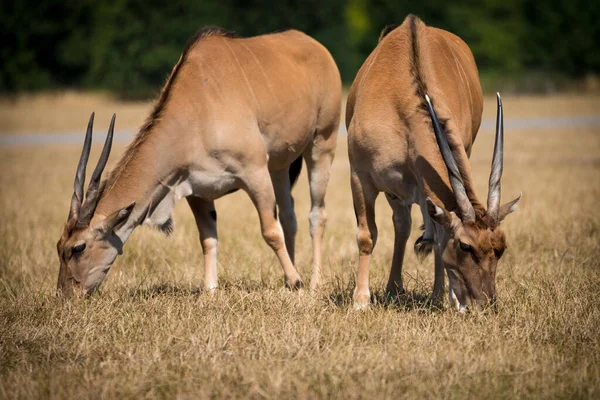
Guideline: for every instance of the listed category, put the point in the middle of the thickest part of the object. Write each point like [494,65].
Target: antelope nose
[487,304]
[68,288]
[65,289]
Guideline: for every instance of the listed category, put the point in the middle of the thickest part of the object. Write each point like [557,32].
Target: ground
[151,331]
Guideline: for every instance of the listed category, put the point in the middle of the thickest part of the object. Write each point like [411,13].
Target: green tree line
[129,46]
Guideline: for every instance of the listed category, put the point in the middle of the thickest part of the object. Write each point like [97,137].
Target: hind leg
[285,203]
[319,157]
[206,220]
[364,195]
[258,185]
[402,222]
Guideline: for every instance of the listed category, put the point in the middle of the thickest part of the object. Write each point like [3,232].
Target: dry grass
[69,111]
[152,332]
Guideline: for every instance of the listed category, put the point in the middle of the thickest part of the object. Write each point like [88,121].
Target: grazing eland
[413,113]
[235,113]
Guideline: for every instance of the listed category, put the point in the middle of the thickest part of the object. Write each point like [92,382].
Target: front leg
[259,187]
[438,283]
[364,195]
[206,220]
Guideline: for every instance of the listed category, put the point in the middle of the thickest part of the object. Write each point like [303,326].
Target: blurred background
[127,47]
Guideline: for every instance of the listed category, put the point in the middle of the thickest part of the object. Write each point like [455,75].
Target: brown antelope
[235,113]
[392,149]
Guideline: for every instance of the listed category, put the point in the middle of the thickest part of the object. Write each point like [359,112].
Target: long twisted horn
[493,201]
[77,198]
[462,200]
[91,196]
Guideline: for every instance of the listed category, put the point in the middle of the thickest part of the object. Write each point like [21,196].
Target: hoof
[211,288]
[436,301]
[362,301]
[395,291]
[392,296]
[294,284]
[359,306]
[314,286]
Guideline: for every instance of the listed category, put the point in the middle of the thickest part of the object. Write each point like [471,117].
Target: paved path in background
[126,136]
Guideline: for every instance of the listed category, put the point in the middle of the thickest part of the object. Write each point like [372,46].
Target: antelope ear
[438,213]
[114,220]
[509,207]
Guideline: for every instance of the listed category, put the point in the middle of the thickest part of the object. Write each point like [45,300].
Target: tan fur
[392,147]
[234,114]
[159,105]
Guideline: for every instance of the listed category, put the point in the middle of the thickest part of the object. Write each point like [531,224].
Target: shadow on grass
[164,289]
[414,300]
[408,301]
[172,289]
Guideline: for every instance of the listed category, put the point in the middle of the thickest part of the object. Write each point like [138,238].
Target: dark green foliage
[130,46]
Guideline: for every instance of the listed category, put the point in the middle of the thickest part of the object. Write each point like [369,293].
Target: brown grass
[152,332]
[69,111]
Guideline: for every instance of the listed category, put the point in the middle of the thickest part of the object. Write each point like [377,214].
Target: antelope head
[87,250]
[472,242]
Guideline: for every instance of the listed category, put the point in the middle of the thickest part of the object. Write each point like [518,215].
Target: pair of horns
[456,181]
[80,210]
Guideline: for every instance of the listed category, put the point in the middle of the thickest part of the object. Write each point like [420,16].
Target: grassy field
[69,111]
[152,332]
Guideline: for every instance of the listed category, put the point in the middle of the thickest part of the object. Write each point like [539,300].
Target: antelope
[235,113]
[392,149]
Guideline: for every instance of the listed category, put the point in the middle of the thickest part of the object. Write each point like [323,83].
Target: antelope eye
[78,249]
[465,247]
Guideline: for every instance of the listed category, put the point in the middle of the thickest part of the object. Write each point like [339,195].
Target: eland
[235,113]
[413,113]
